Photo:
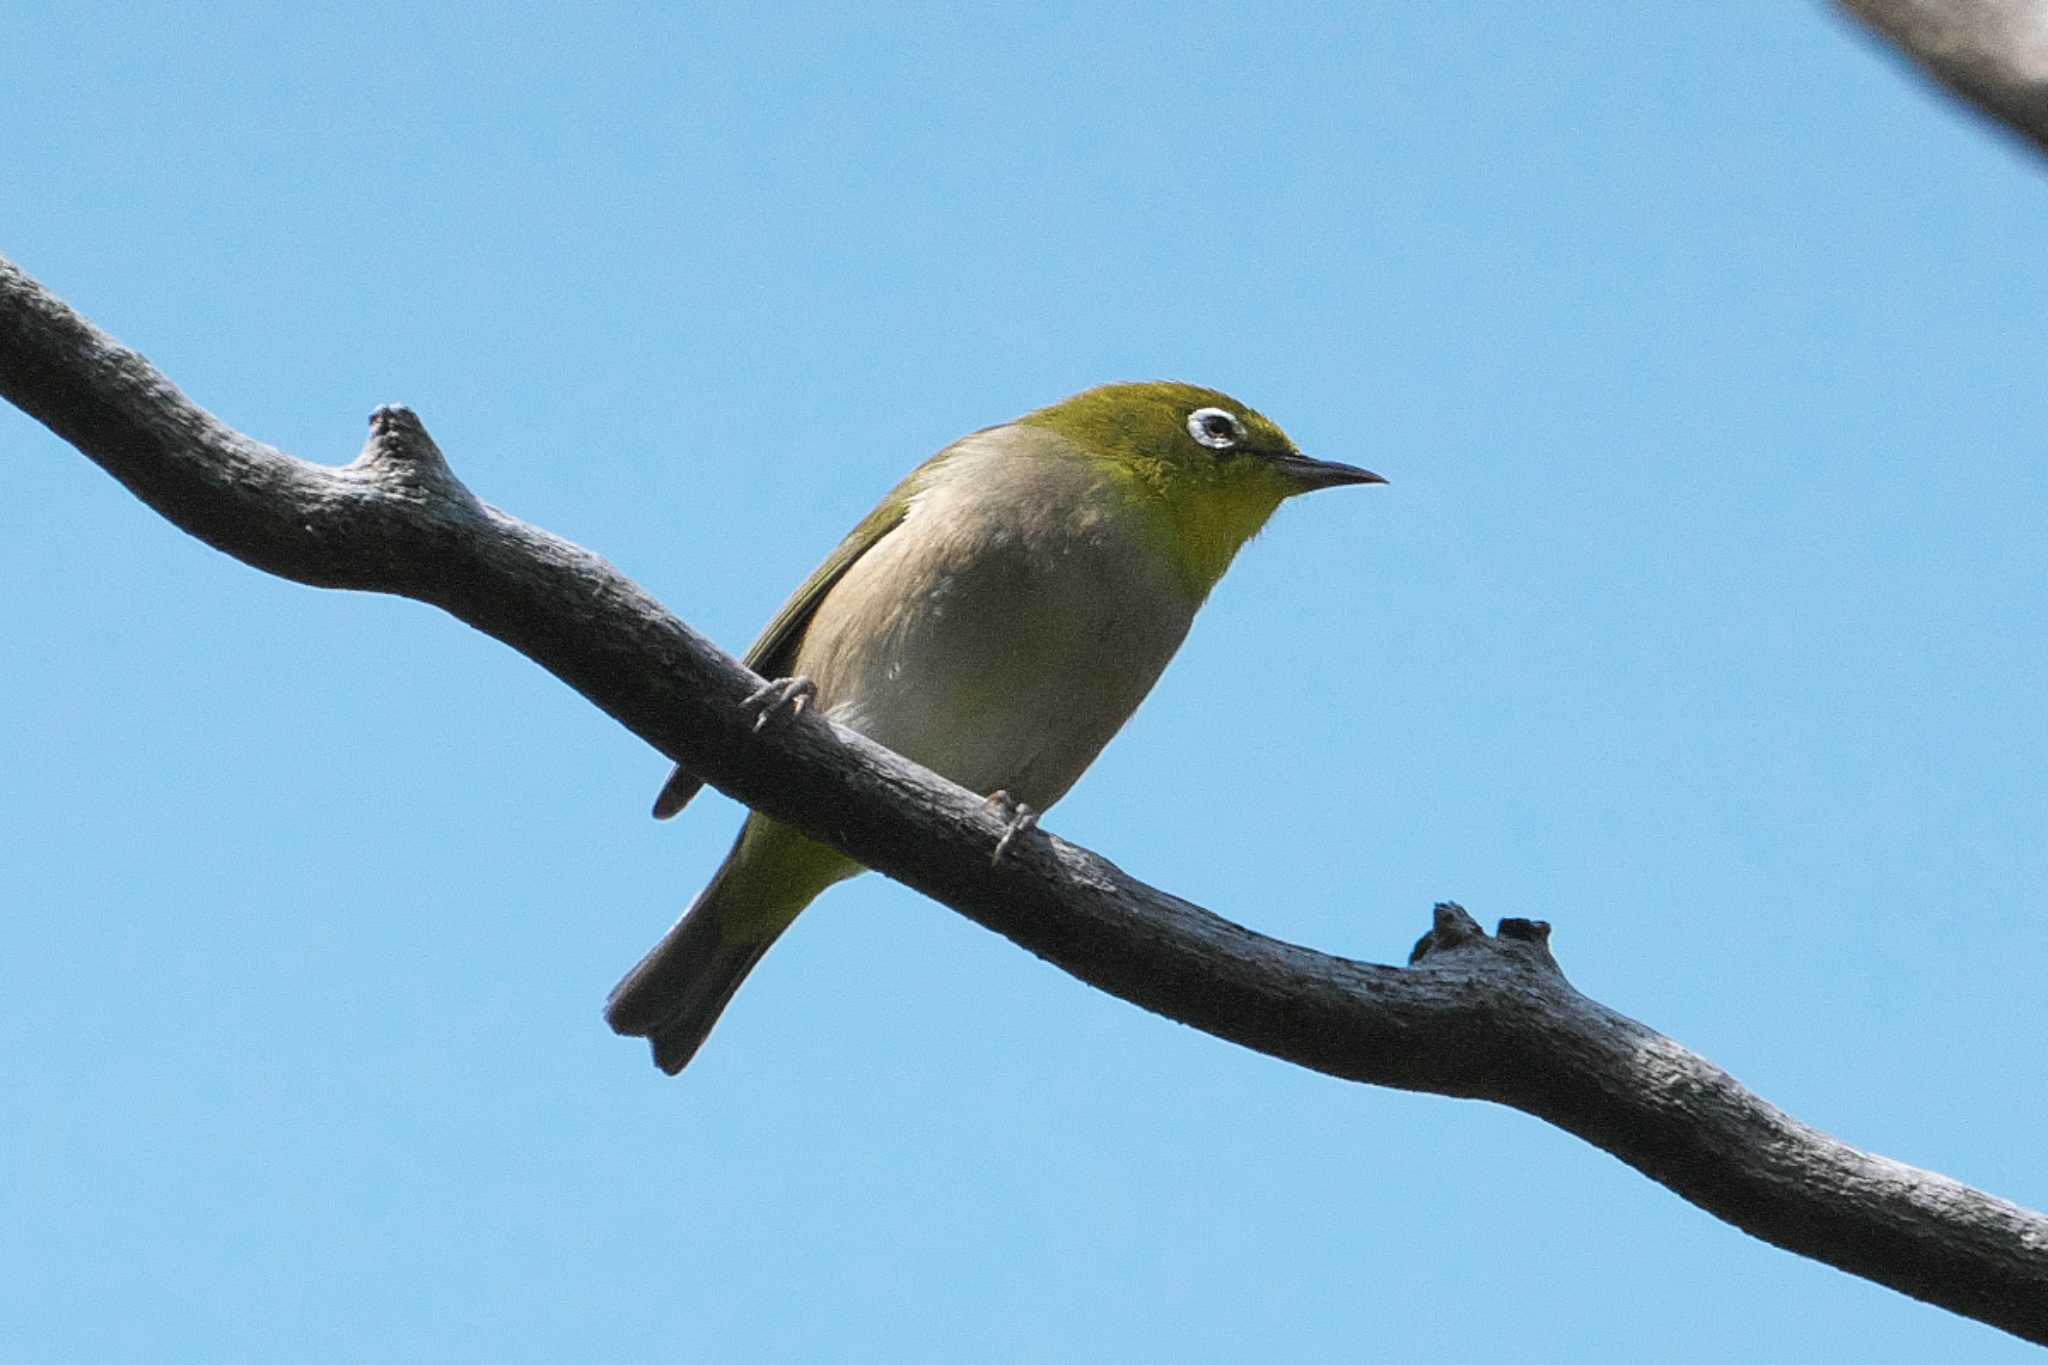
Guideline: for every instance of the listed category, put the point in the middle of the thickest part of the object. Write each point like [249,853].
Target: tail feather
[677,992]
[674,997]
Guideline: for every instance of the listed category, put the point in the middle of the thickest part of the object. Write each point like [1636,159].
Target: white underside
[1007,629]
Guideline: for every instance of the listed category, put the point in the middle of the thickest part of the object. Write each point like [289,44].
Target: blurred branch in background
[1991,53]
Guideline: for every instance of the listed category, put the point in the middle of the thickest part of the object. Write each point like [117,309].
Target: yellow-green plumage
[996,618]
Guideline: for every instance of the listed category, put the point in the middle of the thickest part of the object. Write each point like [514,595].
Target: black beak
[1314,474]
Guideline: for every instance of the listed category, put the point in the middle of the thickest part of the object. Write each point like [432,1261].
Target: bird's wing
[774,653]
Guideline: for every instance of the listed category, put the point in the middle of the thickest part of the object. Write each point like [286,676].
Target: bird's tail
[677,992]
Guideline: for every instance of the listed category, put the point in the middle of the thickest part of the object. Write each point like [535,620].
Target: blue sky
[1703,618]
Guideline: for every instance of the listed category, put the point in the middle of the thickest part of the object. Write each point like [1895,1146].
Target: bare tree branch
[1990,53]
[1477,1016]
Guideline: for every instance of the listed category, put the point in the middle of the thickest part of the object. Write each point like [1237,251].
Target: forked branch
[1477,1016]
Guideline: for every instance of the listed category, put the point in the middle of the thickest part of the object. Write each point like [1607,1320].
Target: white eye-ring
[1215,428]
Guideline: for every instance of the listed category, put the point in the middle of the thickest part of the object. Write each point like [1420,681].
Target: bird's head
[1217,467]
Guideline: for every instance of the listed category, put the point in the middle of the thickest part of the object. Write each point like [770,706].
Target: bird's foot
[1017,818]
[784,694]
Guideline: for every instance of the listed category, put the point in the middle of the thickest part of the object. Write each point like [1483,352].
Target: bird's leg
[1017,818]
[772,698]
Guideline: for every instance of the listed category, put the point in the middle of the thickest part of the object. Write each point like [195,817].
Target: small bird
[996,619]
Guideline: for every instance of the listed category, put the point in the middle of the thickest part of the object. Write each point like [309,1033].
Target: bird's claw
[772,698]
[1017,818]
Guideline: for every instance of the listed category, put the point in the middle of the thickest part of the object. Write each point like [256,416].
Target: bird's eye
[1215,428]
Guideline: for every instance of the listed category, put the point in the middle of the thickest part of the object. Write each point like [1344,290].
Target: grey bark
[1477,1016]
[1993,54]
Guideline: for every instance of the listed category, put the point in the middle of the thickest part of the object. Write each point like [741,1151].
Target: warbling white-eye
[996,619]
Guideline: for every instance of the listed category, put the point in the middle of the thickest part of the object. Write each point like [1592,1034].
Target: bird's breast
[1001,635]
